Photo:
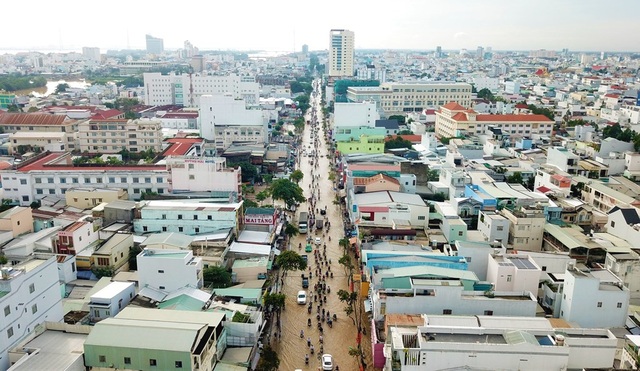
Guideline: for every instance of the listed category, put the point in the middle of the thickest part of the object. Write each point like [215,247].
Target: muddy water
[337,340]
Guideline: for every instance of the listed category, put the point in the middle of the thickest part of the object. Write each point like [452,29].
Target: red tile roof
[414,139]
[373,179]
[180,115]
[460,116]
[612,96]
[35,119]
[180,146]
[512,118]
[453,106]
[47,163]
[522,106]
[107,114]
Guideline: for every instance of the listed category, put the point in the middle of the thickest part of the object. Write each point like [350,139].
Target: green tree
[287,191]
[345,243]
[290,260]
[218,277]
[3,260]
[486,94]
[296,176]
[542,111]
[346,263]
[248,170]
[61,88]
[13,108]
[262,195]
[400,118]
[133,255]
[433,175]
[291,230]
[405,132]
[397,142]
[515,178]
[269,360]
[102,272]
[350,299]
[246,203]
[274,300]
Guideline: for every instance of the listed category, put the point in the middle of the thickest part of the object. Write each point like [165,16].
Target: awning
[367,306]
[543,189]
[276,252]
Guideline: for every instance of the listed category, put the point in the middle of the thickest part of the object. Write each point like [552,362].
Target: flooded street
[290,346]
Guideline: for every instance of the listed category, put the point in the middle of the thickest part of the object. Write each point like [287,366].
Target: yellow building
[88,198]
[367,144]
[113,252]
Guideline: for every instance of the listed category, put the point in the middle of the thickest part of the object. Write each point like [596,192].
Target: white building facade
[169,270]
[186,89]
[341,53]
[31,296]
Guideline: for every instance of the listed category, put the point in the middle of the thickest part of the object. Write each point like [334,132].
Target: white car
[302,297]
[327,362]
[318,241]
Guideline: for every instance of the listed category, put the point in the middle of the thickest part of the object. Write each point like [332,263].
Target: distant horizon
[46,50]
[587,25]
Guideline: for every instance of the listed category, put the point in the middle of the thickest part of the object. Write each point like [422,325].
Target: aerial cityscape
[460,191]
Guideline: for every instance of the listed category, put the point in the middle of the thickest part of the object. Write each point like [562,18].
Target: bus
[303,222]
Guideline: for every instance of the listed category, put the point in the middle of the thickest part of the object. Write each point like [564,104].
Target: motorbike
[309,322]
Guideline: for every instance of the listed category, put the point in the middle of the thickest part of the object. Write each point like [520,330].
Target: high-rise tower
[155,45]
[341,53]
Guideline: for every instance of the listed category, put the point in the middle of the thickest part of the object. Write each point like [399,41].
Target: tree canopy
[485,93]
[15,82]
[296,176]
[290,260]
[287,191]
[269,360]
[218,277]
[397,142]
[61,88]
[400,118]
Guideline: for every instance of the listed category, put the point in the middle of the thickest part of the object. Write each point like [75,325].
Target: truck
[303,222]
[319,222]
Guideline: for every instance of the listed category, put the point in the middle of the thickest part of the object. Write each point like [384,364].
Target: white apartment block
[53,174]
[454,120]
[513,272]
[341,53]
[112,136]
[361,114]
[91,54]
[186,217]
[168,270]
[186,89]
[226,120]
[203,174]
[111,300]
[29,296]
[493,226]
[490,83]
[496,343]
[415,96]
[596,299]
[526,228]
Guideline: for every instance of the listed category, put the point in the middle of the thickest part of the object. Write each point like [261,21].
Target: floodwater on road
[291,348]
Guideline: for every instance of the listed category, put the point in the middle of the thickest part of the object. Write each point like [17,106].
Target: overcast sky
[284,25]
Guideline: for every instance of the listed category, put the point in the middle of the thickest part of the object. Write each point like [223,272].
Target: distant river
[50,88]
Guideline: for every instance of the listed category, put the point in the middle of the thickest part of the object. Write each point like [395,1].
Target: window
[153,362]
[34,308]
[544,268]
[179,216]
[421,217]
[196,230]
[447,311]
[209,217]
[164,216]
[192,177]
[161,287]
[599,304]
[25,198]
[159,180]
[136,179]
[619,305]
[74,180]
[63,180]
[10,332]
[127,360]
[87,180]
[509,278]
[460,233]
[500,228]
[178,364]
[164,229]
[488,313]
[102,359]
[7,310]
[23,181]
[32,288]
[147,180]
[160,270]
[123,179]
[613,224]
[195,217]
[145,229]
[180,229]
